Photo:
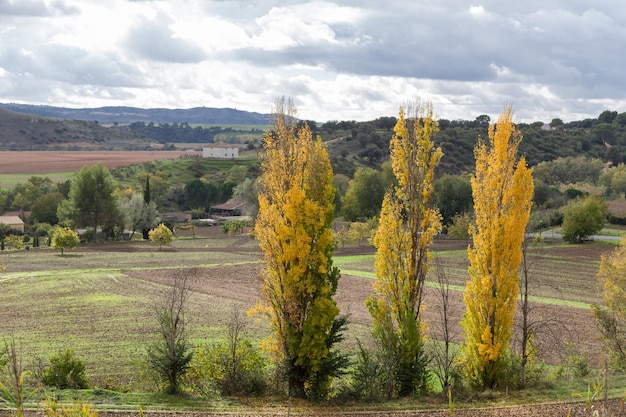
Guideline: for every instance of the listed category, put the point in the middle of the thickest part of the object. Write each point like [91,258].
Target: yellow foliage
[293,229]
[406,228]
[612,277]
[408,223]
[502,188]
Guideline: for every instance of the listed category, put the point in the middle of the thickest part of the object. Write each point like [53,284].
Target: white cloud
[344,59]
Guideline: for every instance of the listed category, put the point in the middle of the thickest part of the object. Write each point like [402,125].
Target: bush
[232,367]
[15,241]
[52,408]
[65,371]
[368,377]
[217,368]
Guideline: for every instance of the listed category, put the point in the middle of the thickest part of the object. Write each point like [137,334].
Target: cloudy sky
[337,59]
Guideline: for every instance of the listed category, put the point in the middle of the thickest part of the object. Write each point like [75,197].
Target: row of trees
[299,281]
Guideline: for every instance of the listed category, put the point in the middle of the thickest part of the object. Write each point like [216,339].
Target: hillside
[351,144]
[125,115]
[26,132]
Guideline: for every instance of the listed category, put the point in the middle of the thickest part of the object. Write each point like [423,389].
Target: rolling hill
[125,115]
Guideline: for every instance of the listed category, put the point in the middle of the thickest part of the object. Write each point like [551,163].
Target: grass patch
[9,181]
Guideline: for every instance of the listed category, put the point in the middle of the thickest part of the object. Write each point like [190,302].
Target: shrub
[65,371]
[232,227]
[52,408]
[15,241]
[368,377]
[233,367]
[218,368]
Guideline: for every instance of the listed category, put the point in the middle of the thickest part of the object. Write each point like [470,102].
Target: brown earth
[563,324]
[45,162]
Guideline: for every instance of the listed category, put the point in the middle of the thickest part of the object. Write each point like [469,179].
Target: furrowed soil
[226,274]
[45,162]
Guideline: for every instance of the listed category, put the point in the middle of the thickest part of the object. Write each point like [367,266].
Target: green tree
[136,214]
[158,182]
[171,354]
[408,223]
[92,200]
[569,170]
[614,179]
[161,235]
[452,196]
[502,188]
[583,218]
[248,193]
[459,227]
[65,371]
[44,209]
[64,238]
[27,193]
[365,194]
[200,193]
[294,232]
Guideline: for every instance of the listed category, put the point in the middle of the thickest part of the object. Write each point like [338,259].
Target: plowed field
[45,162]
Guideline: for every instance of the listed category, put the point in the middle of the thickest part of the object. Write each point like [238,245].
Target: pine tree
[293,227]
[502,188]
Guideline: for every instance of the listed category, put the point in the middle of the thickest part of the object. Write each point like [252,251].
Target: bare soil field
[227,275]
[44,162]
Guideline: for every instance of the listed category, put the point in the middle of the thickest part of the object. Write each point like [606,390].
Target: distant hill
[125,115]
[20,131]
[351,144]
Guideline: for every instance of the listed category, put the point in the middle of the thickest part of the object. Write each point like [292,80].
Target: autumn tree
[161,235]
[293,227]
[408,223]
[611,317]
[502,188]
[64,238]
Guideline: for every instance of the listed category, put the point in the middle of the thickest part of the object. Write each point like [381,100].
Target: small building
[14,221]
[221,151]
[229,209]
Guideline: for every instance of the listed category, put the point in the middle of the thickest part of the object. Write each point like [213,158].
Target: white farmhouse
[220,151]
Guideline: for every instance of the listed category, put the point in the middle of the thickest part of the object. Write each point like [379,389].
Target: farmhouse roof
[229,205]
[221,145]
[11,220]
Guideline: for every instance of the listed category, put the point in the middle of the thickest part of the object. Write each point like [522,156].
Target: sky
[337,60]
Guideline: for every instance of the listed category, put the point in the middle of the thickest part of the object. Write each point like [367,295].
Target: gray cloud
[154,40]
[23,8]
[357,60]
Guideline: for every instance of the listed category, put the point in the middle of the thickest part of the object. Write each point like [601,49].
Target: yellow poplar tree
[407,226]
[612,317]
[293,227]
[502,188]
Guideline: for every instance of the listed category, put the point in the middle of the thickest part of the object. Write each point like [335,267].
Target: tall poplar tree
[293,227]
[408,223]
[502,188]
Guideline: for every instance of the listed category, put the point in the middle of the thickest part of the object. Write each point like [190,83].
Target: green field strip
[52,273]
[543,300]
